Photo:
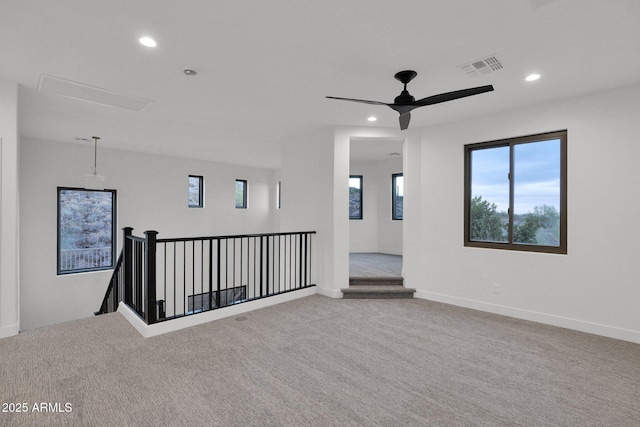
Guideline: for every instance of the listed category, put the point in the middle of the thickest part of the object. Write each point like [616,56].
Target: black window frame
[114,242]
[200,192]
[245,190]
[394,213]
[360,178]
[511,142]
[279,195]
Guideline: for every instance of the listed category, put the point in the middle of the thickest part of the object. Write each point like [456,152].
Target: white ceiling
[375,149]
[265,67]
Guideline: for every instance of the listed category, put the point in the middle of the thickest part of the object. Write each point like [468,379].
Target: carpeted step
[377,292]
[375,281]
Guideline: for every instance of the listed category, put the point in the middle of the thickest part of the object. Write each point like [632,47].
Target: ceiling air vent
[88,93]
[482,66]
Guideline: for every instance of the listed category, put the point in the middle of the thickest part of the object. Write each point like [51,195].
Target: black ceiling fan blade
[405,103]
[358,100]
[404,120]
[450,96]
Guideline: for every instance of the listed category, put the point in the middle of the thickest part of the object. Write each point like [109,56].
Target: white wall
[376,231]
[412,272]
[363,233]
[9,211]
[308,202]
[152,195]
[389,231]
[594,287]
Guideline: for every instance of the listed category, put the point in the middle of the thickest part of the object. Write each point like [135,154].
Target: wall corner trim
[9,331]
[331,293]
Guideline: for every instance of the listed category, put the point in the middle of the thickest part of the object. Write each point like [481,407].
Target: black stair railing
[115,289]
[163,279]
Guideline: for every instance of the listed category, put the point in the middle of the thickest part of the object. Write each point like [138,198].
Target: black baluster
[150,276]
[128,264]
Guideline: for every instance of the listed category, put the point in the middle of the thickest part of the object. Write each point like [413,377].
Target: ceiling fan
[404,102]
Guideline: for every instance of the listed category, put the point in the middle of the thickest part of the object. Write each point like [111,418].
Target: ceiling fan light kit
[405,103]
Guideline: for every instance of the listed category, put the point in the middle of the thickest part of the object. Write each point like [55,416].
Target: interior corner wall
[389,230]
[152,194]
[376,231]
[308,200]
[594,288]
[9,211]
[412,271]
[363,233]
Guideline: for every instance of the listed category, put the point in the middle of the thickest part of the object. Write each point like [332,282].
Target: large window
[86,229]
[196,191]
[241,194]
[355,197]
[397,196]
[516,193]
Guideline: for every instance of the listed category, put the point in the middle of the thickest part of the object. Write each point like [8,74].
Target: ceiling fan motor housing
[404,98]
[405,77]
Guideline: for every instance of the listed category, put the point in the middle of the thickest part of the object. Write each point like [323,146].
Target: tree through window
[86,229]
[241,193]
[196,191]
[397,196]
[355,197]
[515,193]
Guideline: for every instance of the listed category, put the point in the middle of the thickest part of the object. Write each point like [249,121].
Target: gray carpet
[374,265]
[324,362]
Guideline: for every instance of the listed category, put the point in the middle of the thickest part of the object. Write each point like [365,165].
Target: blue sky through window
[490,179]
[536,175]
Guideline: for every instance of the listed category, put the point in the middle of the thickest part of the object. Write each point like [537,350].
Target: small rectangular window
[355,197]
[516,193]
[196,191]
[279,195]
[241,194]
[86,230]
[397,196]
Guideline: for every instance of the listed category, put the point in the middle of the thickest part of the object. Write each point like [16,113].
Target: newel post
[150,315]
[127,253]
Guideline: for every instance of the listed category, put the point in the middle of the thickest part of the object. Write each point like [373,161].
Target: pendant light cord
[95,154]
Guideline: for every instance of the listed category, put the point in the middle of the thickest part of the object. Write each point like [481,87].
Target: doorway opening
[375,233]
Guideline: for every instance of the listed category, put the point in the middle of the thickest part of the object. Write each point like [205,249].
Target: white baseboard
[376,251]
[548,319]
[9,331]
[363,250]
[390,251]
[331,293]
[148,331]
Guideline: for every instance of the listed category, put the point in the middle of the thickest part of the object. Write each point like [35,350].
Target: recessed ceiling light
[372,119]
[532,77]
[189,71]
[147,41]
